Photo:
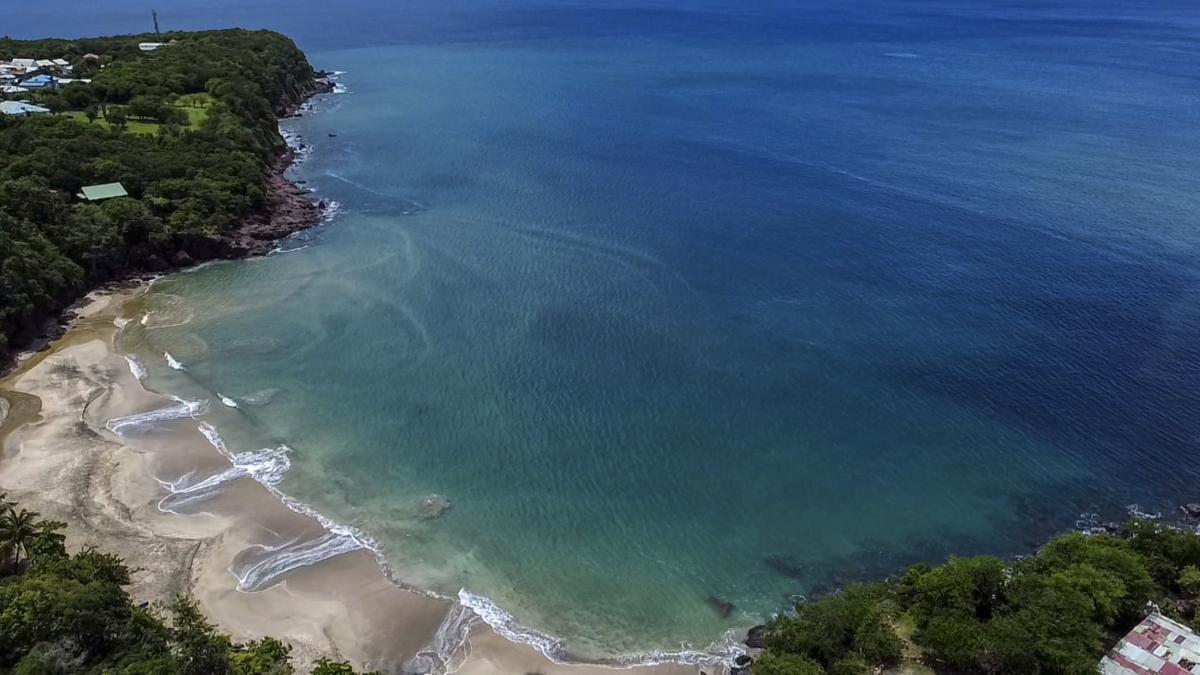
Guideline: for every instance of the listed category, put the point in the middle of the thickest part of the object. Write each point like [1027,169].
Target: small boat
[332,135]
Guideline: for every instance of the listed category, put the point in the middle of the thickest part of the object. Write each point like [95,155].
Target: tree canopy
[62,613]
[192,180]
[1052,613]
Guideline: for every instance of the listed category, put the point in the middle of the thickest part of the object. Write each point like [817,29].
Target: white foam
[442,654]
[261,397]
[270,570]
[120,322]
[507,627]
[333,208]
[1135,511]
[145,318]
[176,365]
[214,437]
[268,467]
[723,651]
[136,367]
[279,249]
[181,409]
[226,400]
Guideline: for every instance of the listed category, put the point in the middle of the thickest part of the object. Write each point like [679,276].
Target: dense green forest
[62,613]
[1053,612]
[189,130]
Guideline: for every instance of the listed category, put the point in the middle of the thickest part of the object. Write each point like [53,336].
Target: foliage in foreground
[62,613]
[1052,613]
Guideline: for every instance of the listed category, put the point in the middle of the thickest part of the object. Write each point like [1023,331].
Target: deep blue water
[740,300]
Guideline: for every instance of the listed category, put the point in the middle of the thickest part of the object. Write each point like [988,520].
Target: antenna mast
[154,13]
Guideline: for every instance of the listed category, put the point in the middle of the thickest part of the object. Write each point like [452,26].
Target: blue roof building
[40,82]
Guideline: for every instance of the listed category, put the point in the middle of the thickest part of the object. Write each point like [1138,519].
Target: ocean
[689,309]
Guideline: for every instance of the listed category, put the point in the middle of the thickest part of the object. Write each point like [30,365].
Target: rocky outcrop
[756,638]
[434,506]
[289,210]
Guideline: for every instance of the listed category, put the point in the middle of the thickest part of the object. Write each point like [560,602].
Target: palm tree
[17,531]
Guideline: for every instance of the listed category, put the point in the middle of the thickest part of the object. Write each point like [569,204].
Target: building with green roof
[95,193]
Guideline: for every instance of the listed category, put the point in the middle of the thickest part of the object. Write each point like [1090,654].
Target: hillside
[190,132]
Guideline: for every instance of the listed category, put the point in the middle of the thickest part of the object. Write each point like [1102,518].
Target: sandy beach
[62,459]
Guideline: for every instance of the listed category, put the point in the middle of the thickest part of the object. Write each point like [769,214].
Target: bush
[1052,613]
[770,664]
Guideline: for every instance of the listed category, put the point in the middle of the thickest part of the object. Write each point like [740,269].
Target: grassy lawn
[195,106]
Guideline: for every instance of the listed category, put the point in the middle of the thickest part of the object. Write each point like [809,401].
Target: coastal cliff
[189,133]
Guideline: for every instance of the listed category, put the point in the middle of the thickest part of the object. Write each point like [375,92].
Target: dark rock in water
[787,566]
[722,607]
[434,506]
[756,638]
[182,259]
[742,660]
[739,671]
[322,205]
[1192,509]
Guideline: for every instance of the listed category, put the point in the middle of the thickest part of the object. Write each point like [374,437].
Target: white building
[24,65]
[21,109]
[150,46]
[1156,646]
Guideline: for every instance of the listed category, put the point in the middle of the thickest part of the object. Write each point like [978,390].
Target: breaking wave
[264,573]
[442,654]
[504,624]
[181,409]
[136,367]
[175,365]
[1135,511]
[268,467]
[229,402]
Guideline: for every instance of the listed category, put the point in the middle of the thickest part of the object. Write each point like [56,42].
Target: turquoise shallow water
[675,307]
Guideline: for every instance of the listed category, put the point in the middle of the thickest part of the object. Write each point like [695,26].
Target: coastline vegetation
[189,130]
[63,613]
[1054,612]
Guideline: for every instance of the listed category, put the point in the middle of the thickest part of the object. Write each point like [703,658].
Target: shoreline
[290,210]
[62,458]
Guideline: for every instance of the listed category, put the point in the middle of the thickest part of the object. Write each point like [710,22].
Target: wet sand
[60,459]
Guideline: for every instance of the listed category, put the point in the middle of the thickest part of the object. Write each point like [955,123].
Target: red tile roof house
[1156,646]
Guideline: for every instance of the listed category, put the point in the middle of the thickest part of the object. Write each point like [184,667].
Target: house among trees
[24,65]
[1156,646]
[21,109]
[97,193]
[40,82]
